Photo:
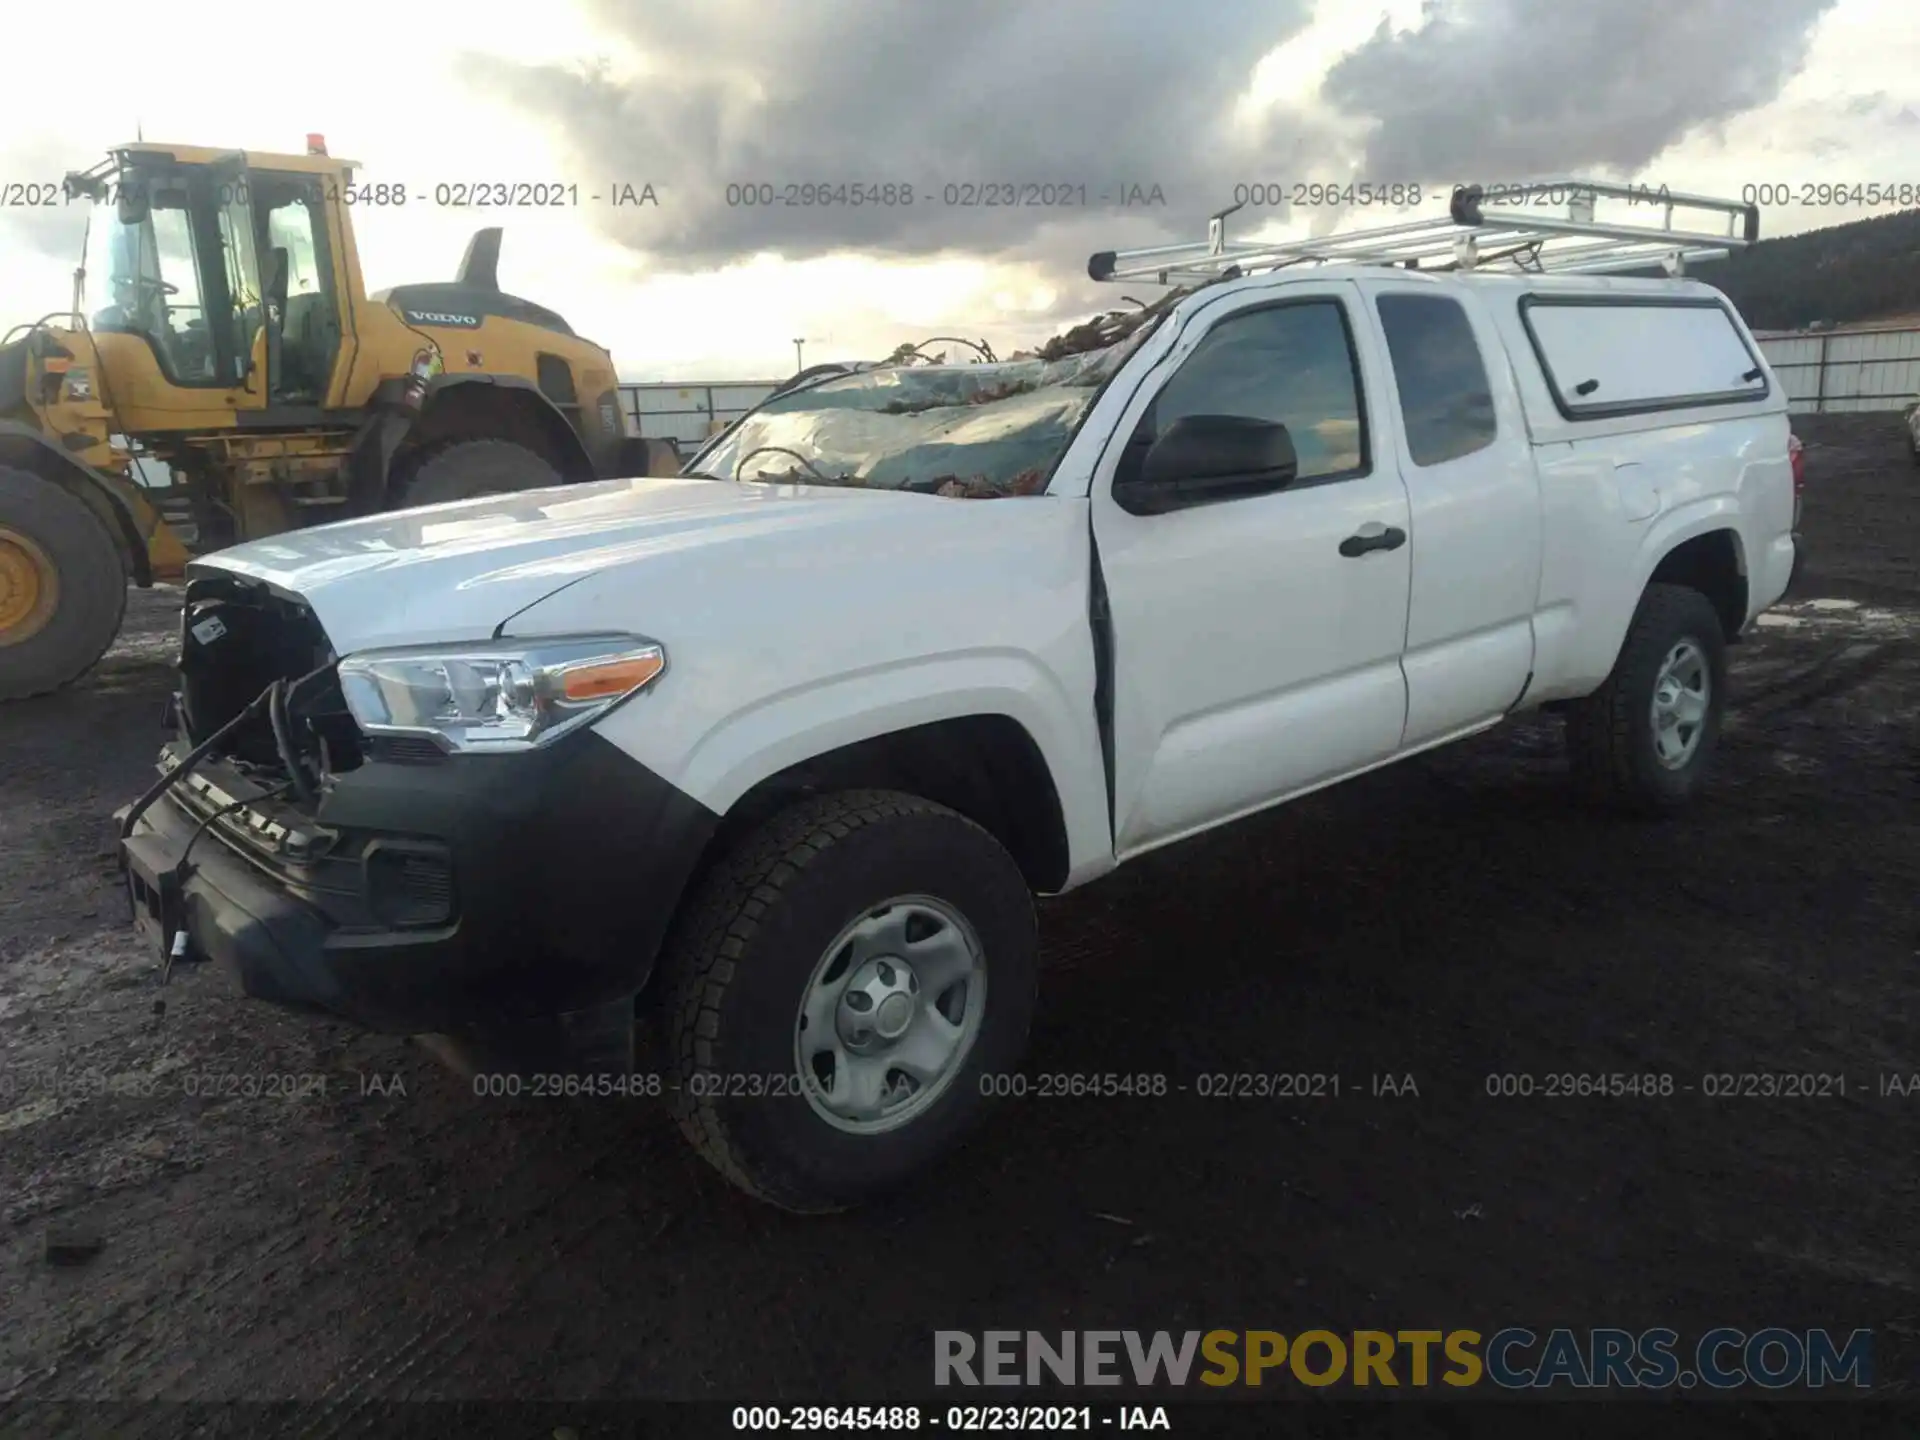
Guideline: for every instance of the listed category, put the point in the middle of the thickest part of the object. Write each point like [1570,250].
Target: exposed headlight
[496,697]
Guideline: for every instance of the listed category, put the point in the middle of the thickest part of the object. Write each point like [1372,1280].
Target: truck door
[1455,418]
[1257,637]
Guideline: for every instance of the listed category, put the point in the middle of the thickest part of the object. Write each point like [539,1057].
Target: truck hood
[457,573]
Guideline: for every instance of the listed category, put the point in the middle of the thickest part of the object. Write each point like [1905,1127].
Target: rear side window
[1606,357]
[1445,398]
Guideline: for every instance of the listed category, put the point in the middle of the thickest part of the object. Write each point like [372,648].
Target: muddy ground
[1451,919]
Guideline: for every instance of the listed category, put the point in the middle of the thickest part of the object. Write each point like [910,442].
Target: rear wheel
[1645,739]
[467,469]
[63,588]
[841,992]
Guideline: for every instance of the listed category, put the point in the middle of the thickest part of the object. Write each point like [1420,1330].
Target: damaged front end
[262,736]
[480,894]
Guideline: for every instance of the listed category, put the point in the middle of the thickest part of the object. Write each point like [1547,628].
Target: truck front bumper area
[467,896]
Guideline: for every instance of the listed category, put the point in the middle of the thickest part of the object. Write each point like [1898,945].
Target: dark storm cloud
[1067,92]
[1114,94]
[1527,89]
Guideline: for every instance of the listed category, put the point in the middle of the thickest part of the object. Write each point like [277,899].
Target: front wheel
[469,469]
[841,992]
[1645,740]
[63,586]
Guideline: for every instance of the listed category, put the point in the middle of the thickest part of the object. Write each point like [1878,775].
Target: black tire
[1610,733]
[77,616]
[649,457]
[467,469]
[742,957]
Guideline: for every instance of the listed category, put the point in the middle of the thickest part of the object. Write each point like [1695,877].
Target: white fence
[1829,372]
[688,413]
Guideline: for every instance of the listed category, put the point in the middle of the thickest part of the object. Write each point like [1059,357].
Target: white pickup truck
[776,754]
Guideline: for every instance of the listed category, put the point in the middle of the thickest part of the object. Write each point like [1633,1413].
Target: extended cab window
[1291,362]
[1437,367]
[1609,357]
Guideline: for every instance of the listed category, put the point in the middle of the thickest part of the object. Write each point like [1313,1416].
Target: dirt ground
[1451,919]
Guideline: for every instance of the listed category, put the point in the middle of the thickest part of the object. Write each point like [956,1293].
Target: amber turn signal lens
[600,680]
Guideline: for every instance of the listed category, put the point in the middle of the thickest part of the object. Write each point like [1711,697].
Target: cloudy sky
[1168,106]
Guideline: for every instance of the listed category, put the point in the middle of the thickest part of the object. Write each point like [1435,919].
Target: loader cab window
[292,218]
[173,277]
[151,275]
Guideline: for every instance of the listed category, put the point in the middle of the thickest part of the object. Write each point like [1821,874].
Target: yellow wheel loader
[228,337]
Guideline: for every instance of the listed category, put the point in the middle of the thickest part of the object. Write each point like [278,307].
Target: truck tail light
[1797,455]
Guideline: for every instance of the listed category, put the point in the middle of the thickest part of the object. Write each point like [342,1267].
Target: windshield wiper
[812,469]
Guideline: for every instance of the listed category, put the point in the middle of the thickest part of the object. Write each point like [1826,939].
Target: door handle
[1373,537]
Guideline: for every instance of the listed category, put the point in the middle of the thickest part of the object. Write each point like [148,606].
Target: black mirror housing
[1211,456]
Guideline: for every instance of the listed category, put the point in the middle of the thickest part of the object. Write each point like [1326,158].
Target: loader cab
[175,268]
[225,268]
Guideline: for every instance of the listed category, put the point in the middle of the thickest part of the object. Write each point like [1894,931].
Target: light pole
[799,363]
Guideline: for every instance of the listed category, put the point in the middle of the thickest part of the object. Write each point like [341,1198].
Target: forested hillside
[1860,271]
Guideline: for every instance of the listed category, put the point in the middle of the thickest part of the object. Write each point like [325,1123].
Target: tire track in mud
[153,1308]
[1845,669]
[403,1355]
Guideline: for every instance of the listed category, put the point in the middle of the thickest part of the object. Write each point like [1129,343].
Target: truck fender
[1668,532]
[29,449]
[1684,523]
[742,749]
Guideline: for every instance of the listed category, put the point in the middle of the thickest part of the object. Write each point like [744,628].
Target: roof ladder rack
[1521,233]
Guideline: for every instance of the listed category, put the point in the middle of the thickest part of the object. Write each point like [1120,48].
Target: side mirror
[1211,457]
[130,205]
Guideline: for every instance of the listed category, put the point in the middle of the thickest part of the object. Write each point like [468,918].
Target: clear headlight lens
[496,696]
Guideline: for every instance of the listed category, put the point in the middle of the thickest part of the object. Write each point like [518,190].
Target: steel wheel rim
[1682,694]
[29,588]
[890,1014]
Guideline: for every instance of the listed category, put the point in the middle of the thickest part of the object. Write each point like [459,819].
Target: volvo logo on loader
[436,317]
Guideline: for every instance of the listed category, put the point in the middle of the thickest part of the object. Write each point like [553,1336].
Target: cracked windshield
[967,431]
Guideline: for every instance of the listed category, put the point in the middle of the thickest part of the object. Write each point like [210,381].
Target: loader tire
[63,587]
[467,469]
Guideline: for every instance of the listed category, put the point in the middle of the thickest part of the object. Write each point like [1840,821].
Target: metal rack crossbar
[1521,234]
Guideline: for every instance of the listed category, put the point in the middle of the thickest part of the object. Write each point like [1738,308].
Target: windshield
[149,277]
[975,431]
